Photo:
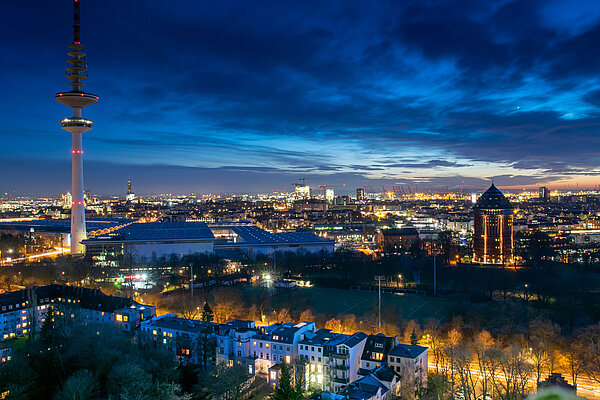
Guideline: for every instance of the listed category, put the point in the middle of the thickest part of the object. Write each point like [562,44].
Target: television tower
[77,125]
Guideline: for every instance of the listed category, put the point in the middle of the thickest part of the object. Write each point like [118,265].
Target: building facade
[24,310]
[493,228]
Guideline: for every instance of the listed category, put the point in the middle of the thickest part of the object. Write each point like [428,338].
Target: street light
[379,278]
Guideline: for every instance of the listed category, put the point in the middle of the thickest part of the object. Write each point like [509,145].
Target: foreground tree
[287,390]
[591,344]
[207,313]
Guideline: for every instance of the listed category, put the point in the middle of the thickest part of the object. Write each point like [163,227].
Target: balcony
[340,380]
[338,355]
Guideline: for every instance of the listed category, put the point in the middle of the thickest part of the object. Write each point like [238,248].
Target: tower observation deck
[77,125]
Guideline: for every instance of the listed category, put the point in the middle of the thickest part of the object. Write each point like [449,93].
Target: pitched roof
[91,299]
[492,198]
[377,344]
[407,351]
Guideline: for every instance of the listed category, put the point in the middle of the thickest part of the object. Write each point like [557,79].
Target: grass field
[343,301]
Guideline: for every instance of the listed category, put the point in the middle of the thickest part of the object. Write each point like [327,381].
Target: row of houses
[334,363]
[357,366]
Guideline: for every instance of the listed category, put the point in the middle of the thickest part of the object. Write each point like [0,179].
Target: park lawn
[344,301]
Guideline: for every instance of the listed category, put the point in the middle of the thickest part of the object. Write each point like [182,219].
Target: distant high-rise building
[329,195]
[544,194]
[303,191]
[130,195]
[360,194]
[493,237]
[77,125]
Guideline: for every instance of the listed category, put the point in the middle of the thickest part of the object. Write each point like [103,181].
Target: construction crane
[300,184]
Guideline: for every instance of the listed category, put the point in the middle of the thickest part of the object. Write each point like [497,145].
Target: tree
[225,382]
[307,315]
[286,389]
[414,340]
[188,308]
[207,313]
[334,324]
[433,338]
[591,342]
[542,333]
[509,372]
[412,328]
[573,356]
[468,381]
[482,344]
[445,239]
[454,338]
[437,386]
[79,386]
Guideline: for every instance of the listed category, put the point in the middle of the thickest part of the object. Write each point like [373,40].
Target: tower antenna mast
[77,125]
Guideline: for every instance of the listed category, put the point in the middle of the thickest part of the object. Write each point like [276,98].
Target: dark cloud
[428,164]
[314,88]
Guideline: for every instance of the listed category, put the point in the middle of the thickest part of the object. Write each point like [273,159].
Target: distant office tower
[360,194]
[544,194]
[493,237]
[303,191]
[77,125]
[329,195]
[130,195]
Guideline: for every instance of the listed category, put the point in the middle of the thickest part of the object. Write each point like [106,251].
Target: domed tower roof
[492,199]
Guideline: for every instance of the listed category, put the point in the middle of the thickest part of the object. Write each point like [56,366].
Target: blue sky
[250,96]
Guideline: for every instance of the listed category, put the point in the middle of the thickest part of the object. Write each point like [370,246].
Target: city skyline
[225,99]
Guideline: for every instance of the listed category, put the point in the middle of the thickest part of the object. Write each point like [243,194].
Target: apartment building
[312,364]
[328,361]
[130,318]
[23,310]
[278,343]
[376,349]
[191,341]
[234,344]
[410,362]
[5,353]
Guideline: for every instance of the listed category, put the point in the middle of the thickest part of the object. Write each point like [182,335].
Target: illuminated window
[254,344]
[154,332]
[125,318]
[164,341]
[267,345]
[119,317]
[288,359]
[273,375]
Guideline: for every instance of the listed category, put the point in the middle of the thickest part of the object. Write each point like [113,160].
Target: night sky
[249,96]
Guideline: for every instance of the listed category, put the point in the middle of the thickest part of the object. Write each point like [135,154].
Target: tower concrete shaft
[77,125]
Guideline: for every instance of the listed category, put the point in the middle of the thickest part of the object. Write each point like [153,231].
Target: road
[586,387]
[56,252]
